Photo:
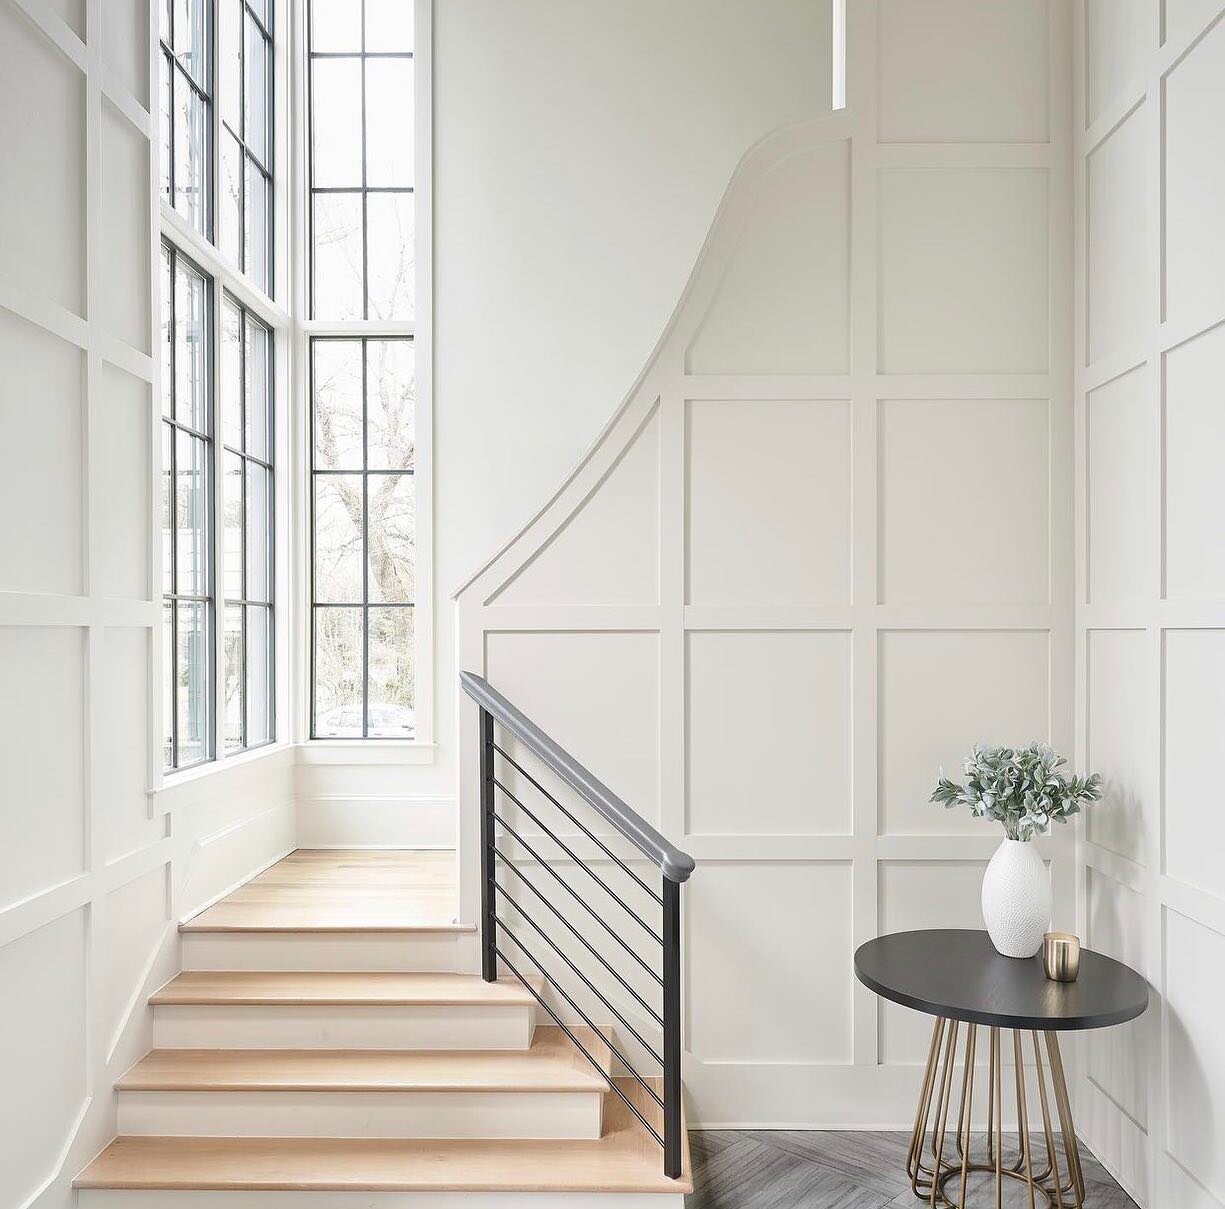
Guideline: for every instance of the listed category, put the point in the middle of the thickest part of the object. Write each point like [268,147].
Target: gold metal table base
[942,1153]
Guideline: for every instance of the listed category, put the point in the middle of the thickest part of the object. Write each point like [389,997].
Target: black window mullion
[365,213]
[168,61]
[242,466]
[174,484]
[365,480]
[242,158]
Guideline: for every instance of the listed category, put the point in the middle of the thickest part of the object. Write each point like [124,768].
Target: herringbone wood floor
[792,1169]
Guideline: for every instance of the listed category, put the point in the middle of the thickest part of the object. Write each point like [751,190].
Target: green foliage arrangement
[1022,789]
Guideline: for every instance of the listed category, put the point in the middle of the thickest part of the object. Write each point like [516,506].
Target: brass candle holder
[1061,956]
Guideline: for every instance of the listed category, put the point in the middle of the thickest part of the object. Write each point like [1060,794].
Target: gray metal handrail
[674,864]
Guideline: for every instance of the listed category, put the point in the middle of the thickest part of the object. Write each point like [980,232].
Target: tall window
[187,119]
[187,472]
[219,329]
[361,159]
[246,401]
[246,137]
[362,369]
[364,533]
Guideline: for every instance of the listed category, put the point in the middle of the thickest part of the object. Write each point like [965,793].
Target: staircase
[321,1040]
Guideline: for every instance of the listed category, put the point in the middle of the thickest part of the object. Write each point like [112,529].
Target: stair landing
[346,890]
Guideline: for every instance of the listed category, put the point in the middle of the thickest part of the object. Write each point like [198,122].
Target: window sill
[366,751]
[202,779]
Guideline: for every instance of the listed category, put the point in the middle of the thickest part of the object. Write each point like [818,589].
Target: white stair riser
[433,951]
[332,1114]
[161,1199]
[310,1026]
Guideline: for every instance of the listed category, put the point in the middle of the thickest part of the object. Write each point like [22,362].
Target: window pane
[191,515]
[167,512]
[191,39]
[255,91]
[390,255]
[338,673]
[391,386]
[192,681]
[191,349]
[338,538]
[168,682]
[164,8]
[389,25]
[392,538]
[230,54]
[260,9]
[336,25]
[233,536]
[337,258]
[233,684]
[336,123]
[338,404]
[390,712]
[259,676]
[259,390]
[259,526]
[167,347]
[389,125]
[190,155]
[167,107]
[231,233]
[231,374]
[255,233]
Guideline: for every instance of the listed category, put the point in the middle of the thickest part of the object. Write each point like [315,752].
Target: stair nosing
[559,1068]
[188,928]
[513,993]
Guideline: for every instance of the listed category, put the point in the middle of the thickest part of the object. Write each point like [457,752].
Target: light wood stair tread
[551,1064]
[625,1159]
[337,988]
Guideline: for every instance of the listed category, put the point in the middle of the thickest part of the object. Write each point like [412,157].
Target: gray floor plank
[837,1169]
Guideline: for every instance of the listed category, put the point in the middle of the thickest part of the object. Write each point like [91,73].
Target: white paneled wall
[94,868]
[1150,630]
[823,547]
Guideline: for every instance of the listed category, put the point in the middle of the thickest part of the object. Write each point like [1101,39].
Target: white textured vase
[1017,899]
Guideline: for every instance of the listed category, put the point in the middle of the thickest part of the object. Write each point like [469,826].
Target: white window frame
[228,278]
[420,329]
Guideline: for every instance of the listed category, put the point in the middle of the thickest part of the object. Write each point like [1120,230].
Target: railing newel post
[489,935]
[673,1147]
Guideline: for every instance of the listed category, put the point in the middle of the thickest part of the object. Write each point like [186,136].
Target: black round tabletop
[956,973]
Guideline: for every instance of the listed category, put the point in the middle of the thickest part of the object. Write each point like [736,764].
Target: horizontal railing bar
[561,990]
[646,1045]
[612,1083]
[646,1007]
[574,894]
[673,863]
[591,835]
[586,868]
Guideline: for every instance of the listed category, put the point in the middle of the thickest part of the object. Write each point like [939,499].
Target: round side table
[957,976]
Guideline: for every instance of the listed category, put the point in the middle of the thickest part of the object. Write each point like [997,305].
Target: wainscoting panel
[98,860]
[1150,613]
[852,584]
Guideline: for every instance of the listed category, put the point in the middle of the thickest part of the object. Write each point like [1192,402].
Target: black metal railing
[662,966]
